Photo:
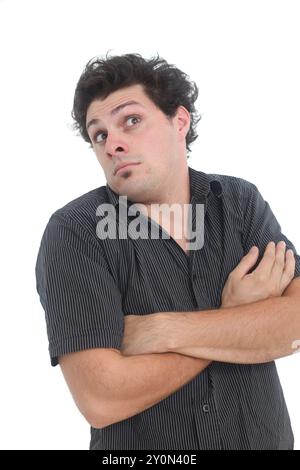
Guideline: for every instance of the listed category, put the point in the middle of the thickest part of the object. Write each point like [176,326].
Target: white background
[244,57]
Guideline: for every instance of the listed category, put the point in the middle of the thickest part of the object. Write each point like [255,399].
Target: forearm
[142,381]
[253,333]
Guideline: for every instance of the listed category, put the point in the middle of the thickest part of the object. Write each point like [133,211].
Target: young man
[166,344]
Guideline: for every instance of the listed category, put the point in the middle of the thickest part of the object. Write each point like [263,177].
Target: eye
[99,133]
[132,117]
[95,138]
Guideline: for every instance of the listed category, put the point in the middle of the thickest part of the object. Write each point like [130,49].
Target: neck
[179,195]
[177,189]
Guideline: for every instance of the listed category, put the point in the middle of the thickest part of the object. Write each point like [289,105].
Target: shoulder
[83,206]
[77,219]
[232,184]
[237,193]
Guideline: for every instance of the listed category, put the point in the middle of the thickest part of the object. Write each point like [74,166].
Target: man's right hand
[271,277]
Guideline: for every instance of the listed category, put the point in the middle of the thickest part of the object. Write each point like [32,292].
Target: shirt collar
[201,184]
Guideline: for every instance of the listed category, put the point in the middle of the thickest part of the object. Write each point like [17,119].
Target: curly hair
[166,85]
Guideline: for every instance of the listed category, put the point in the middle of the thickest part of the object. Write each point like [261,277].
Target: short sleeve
[261,225]
[80,297]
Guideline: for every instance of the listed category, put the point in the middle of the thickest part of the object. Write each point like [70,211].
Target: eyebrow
[113,112]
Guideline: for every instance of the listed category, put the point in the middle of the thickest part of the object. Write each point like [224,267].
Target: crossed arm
[253,333]
[244,330]
[258,320]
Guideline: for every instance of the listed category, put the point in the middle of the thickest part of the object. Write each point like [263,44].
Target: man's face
[142,137]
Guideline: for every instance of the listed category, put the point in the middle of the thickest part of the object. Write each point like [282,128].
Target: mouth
[123,167]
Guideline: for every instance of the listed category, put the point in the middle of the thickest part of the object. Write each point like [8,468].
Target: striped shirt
[86,286]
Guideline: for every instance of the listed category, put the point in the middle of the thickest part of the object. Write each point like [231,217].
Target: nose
[115,145]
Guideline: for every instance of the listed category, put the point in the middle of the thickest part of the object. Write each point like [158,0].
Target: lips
[125,165]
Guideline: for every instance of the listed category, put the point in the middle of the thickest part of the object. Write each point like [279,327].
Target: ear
[183,120]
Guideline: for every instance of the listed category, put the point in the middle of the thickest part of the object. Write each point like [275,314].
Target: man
[164,345]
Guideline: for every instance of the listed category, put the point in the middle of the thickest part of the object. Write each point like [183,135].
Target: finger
[246,262]
[266,264]
[289,269]
[279,263]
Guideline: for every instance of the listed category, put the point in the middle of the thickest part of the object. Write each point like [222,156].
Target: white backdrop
[244,56]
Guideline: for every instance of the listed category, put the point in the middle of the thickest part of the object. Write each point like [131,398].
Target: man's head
[154,133]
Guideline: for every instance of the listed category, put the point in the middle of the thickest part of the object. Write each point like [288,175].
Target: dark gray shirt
[87,285]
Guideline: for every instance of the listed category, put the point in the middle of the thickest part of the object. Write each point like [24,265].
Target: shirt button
[206,408]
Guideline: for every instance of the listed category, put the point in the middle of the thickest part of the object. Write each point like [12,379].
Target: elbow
[97,417]
[101,416]
[97,422]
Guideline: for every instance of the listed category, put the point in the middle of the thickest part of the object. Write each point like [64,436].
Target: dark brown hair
[166,85]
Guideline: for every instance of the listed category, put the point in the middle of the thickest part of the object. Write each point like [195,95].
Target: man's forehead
[104,106]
